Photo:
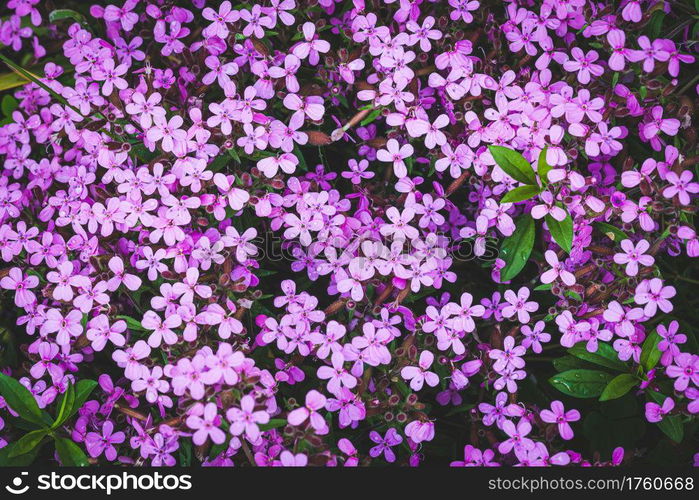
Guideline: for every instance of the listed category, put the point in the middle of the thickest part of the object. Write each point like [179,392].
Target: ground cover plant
[349,233]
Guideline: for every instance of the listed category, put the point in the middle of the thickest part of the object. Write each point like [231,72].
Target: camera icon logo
[16,487]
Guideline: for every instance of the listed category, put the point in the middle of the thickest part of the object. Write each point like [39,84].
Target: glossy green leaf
[302,160]
[132,323]
[543,168]
[618,386]
[20,400]
[517,248]
[19,460]
[371,117]
[8,105]
[581,383]
[670,425]
[65,404]
[274,423]
[71,454]
[520,193]
[60,14]
[604,356]
[650,354]
[514,164]
[12,80]
[566,363]
[611,232]
[83,389]
[561,231]
[28,442]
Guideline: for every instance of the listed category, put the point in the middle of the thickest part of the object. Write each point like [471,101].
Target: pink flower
[583,64]
[655,412]
[654,295]
[573,331]
[670,340]
[151,382]
[623,318]
[65,279]
[517,436]
[558,415]
[336,375]
[245,419]
[205,421]
[65,327]
[111,76]
[219,20]
[518,305]
[384,444]
[650,52]
[681,186]
[315,402]
[633,256]
[99,332]
[419,431]
[557,270]
[684,370]
[312,46]
[396,154]
[418,375]
[97,444]
[21,284]
[499,412]
[357,171]
[534,337]
[130,281]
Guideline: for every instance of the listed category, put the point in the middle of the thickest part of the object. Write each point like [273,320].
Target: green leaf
[302,161]
[618,386]
[371,117]
[274,423]
[562,232]
[28,442]
[19,460]
[650,354]
[604,356]
[82,391]
[514,164]
[20,400]
[515,250]
[65,405]
[60,14]
[611,232]
[141,152]
[184,454]
[520,193]
[566,363]
[8,105]
[12,80]
[543,168]
[581,383]
[670,425]
[70,453]
[132,324]
[8,349]
[672,428]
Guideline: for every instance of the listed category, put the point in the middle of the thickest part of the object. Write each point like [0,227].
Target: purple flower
[97,444]
[557,415]
[384,444]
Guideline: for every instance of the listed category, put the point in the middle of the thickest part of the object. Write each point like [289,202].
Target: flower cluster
[300,232]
